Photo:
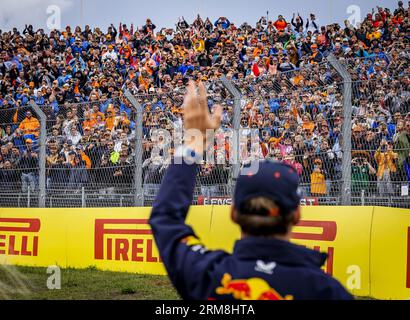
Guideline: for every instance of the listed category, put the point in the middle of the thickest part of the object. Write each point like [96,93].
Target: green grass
[83,284]
[86,284]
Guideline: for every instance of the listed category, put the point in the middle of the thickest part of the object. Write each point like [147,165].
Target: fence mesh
[297,117]
[19,155]
[380,128]
[162,133]
[90,146]
[380,141]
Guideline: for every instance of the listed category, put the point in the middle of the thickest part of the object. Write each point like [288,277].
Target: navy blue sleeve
[188,263]
[336,291]
[328,288]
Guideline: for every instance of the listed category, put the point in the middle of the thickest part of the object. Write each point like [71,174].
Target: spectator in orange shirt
[258,50]
[281,23]
[125,51]
[125,32]
[297,79]
[307,123]
[96,112]
[398,19]
[30,125]
[88,121]
[84,157]
[110,119]
[100,123]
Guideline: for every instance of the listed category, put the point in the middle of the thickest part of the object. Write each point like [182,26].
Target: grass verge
[18,282]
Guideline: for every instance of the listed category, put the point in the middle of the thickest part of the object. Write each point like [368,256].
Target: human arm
[371,169]
[187,261]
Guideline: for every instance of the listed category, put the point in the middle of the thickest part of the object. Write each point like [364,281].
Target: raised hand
[197,116]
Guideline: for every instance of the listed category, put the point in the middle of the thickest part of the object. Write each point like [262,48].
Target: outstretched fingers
[216,117]
[203,100]
[190,100]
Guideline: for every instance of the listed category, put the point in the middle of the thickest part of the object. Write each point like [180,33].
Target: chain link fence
[298,116]
[343,124]
[380,141]
[162,133]
[90,154]
[20,156]
[380,128]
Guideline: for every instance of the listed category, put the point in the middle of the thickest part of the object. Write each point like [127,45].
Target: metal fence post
[236,125]
[41,155]
[83,203]
[28,197]
[362,198]
[138,192]
[346,130]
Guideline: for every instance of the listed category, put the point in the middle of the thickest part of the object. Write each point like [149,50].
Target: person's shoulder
[327,287]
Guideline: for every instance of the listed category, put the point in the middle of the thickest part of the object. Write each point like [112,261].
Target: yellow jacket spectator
[199,45]
[318,179]
[114,156]
[375,35]
[121,121]
[110,119]
[385,158]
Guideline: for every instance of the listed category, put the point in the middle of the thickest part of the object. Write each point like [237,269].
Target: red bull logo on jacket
[249,289]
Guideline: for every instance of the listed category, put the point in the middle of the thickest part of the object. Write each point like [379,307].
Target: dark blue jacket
[258,268]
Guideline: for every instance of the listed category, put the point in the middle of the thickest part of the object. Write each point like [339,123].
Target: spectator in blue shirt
[223,22]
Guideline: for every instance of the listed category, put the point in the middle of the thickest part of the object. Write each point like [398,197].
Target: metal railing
[347,136]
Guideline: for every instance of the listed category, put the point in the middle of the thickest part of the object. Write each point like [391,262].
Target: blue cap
[271,179]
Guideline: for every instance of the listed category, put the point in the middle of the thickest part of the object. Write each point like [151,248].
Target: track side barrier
[368,247]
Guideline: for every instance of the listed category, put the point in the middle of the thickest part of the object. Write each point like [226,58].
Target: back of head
[266,199]
[260,217]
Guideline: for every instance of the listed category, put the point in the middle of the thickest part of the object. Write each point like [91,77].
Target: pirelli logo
[319,231]
[124,240]
[19,236]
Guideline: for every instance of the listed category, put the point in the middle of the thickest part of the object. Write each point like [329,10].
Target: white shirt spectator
[74,136]
[312,25]
[110,55]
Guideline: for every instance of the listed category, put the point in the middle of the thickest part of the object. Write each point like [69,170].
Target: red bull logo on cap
[249,289]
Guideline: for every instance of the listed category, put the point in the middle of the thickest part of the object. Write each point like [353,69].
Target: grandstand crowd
[290,94]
